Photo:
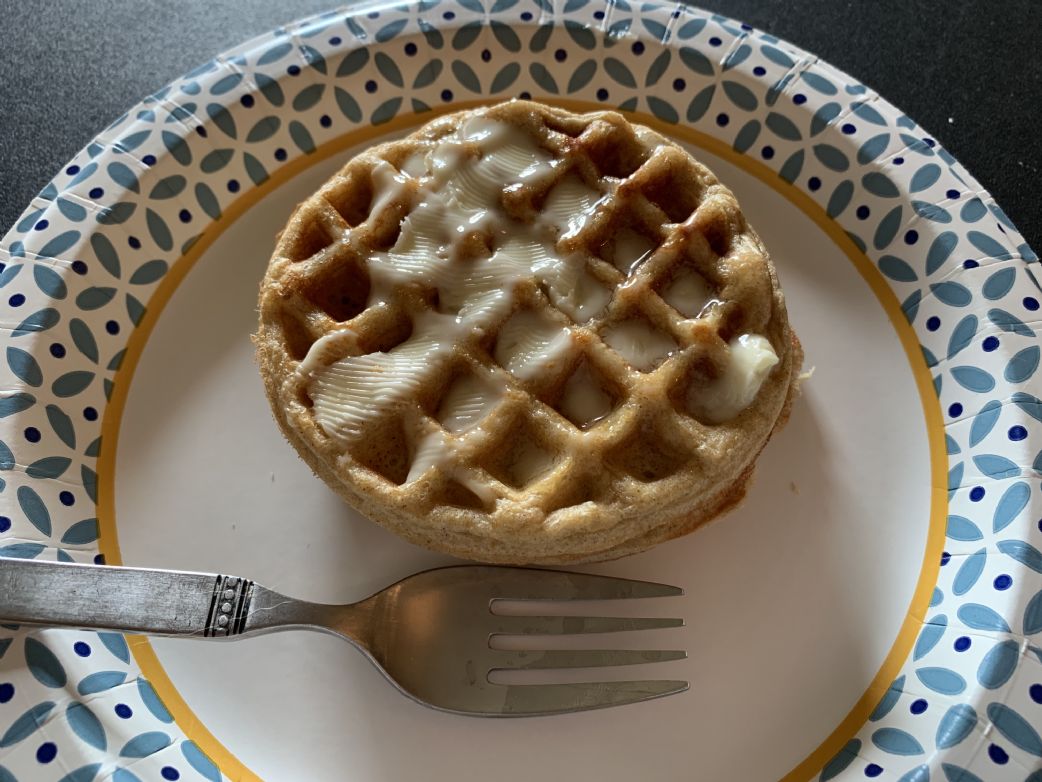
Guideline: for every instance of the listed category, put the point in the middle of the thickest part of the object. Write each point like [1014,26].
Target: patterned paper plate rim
[88,265]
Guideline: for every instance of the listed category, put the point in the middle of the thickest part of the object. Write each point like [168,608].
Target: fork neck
[266,610]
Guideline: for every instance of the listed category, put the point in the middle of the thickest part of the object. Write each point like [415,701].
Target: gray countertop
[968,72]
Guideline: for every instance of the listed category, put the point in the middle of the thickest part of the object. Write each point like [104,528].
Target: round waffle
[523,335]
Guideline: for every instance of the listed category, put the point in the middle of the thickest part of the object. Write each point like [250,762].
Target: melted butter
[688,293]
[467,401]
[642,345]
[584,401]
[530,342]
[750,361]
[631,248]
[569,205]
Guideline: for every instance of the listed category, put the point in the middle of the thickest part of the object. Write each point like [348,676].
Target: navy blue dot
[449,15]
[638,47]
[57,350]
[246,101]
[814,183]
[722,120]
[799,98]
[7,692]
[72,170]
[370,86]
[602,94]
[759,70]
[679,85]
[560,55]
[32,434]
[47,752]
[930,142]
[898,161]
[334,41]
[90,414]
[1030,303]
[863,212]
[5,523]
[598,14]
[1017,433]
[169,772]
[293,70]
[96,192]
[998,754]
[953,194]
[962,643]
[911,237]
[233,185]
[945,558]
[1035,691]
[872,770]
[280,154]
[525,95]
[969,263]
[990,344]
[81,648]
[325,120]
[675,14]
[17,300]
[41,225]
[67,498]
[410,49]
[446,95]
[373,14]
[99,559]
[79,267]
[112,327]
[919,705]
[714,41]
[185,216]
[767,152]
[1002,582]
[848,129]
[134,242]
[123,711]
[526,16]
[200,131]
[977,493]
[486,55]
[933,323]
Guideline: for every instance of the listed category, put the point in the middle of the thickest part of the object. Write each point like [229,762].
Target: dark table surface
[968,72]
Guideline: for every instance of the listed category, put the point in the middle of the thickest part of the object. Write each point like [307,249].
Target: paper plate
[870,612]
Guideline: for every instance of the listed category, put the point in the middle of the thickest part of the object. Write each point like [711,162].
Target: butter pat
[750,360]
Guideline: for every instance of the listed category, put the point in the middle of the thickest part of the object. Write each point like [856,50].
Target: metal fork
[429,634]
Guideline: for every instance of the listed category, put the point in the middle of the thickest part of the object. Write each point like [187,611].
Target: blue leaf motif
[117,214]
[21,550]
[465,75]
[931,635]
[43,664]
[995,466]
[955,478]
[466,35]
[390,30]
[48,467]
[507,76]
[873,148]
[842,759]
[152,702]
[951,446]
[34,509]
[832,158]
[71,383]
[26,724]
[969,572]
[962,335]
[82,774]
[59,244]
[953,294]
[1023,552]
[1010,323]
[700,103]
[998,665]
[956,724]
[158,230]
[149,272]
[999,284]
[116,644]
[790,170]
[740,95]
[917,774]
[694,27]
[737,56]
[940,250]
[889,700]
[275,53]
[543,77]
[506,36]
[840,198]
[897,269]
[105,253]
[202,764]
[973,379]
[83,339]
[353,62]
[954,773]
[775,55]
[86,725]
[301,137]
[981,617]
[942,680]
[746,136]
[386,111]
[1015,729]
[9,273]
[145,744]
[782,126]
[896,742]
[658,67]
[94,297]
[925,177]
[818,82]
[50,282]
[984,421]
[15,403]
[663,110]
[81,533]
[869,114]
[928,211]
[39,321]
[1023,365]
[1033,615]
[24,366]
[987,245]
[100,681]
[879,184]
[1012,502]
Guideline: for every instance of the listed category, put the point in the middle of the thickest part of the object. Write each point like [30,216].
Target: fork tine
[581,658]
[534,699]
[533,584]
[574,625]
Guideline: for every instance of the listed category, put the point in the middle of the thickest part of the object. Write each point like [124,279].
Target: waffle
[523,335]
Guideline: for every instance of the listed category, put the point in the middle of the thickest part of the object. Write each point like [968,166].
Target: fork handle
[136,600]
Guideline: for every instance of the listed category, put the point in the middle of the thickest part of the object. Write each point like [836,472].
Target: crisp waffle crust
[517,336]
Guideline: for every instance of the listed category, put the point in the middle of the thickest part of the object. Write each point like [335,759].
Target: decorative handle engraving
[228,607]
